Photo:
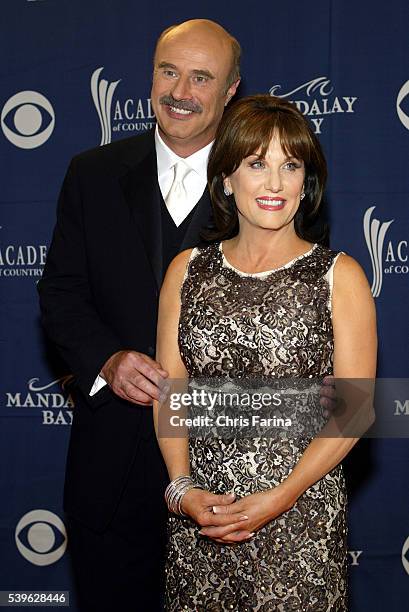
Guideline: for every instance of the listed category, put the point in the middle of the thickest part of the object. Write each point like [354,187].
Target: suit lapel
[201,218]
[139,184]
[141,191]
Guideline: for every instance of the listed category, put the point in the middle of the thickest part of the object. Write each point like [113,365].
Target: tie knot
[181,171]
[179,200]
[177,194]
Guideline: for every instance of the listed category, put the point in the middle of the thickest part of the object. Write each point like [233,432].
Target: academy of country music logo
[402,96]
[53,398]
[128,115]
[27,119]
[316,100]
[395,260]
[21,260]
[41,537]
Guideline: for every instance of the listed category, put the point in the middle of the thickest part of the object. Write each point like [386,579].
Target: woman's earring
[227,191]
[302,196]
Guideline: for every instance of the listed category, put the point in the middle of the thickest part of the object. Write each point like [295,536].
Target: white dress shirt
[195,181]
[195,184]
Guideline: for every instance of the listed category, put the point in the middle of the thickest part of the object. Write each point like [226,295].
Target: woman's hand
[198,504]
[260,508]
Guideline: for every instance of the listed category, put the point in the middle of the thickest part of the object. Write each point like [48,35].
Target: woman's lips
[271,203]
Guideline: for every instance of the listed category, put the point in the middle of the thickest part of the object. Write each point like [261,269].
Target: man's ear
[231,91]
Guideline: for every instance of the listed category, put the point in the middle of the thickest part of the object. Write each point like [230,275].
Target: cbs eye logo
[41,537]
[403,93]
[405,555]
[27,119]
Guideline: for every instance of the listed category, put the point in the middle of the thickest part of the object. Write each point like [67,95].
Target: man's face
[189,87]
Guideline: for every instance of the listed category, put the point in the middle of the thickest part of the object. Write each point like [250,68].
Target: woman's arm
[197,503]
[355,347]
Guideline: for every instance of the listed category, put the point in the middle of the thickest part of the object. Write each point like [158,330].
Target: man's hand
[328,396]
[134,377]
[198,504]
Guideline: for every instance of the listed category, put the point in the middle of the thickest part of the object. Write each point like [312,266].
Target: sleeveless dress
[271,324]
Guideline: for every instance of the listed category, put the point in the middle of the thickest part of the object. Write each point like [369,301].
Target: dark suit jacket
[99,294]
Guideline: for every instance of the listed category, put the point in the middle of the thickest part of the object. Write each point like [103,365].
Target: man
[113,241]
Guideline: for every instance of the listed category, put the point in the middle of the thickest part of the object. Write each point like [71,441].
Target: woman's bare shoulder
[178,265]
[349,274]
[176,271]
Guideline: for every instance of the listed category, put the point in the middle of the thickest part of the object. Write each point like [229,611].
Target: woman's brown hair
[246,128]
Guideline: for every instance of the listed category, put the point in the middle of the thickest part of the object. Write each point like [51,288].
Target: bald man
[122,217]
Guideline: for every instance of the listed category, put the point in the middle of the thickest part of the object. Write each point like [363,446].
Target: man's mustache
[181,104]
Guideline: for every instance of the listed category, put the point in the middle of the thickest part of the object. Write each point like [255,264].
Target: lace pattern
[272,325]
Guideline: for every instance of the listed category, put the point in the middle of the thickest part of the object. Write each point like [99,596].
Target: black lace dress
[274,324]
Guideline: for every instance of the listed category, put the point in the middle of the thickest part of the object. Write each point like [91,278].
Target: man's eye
[169,73]
[200,79]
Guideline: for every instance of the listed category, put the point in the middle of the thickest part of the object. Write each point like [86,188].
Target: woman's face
[267,190]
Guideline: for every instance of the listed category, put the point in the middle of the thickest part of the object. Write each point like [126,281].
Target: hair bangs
[261,126]
[294,140]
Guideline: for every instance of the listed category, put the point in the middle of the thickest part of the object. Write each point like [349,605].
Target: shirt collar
[166,158]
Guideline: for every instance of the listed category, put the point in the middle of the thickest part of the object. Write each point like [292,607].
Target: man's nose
[181,89]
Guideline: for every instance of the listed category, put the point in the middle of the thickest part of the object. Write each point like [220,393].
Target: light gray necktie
[178,198]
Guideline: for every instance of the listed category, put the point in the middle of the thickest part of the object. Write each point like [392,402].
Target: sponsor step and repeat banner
[77,75]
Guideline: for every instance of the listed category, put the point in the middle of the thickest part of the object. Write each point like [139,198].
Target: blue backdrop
[76,74]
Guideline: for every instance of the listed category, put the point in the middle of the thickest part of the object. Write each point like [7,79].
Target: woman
[263,301]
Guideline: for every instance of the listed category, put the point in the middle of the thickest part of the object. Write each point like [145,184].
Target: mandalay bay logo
[118,115]
[396,258]
[316,100]
[53,398]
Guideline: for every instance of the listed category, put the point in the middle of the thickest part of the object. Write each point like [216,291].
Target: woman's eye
[257,165]
[292,166]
